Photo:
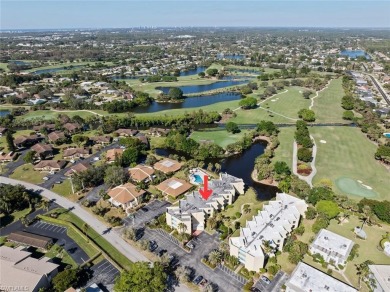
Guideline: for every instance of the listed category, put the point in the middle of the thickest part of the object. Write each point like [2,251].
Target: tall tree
[10,141]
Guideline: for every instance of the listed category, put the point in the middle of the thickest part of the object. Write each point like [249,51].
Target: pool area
[387,135]
[196,176]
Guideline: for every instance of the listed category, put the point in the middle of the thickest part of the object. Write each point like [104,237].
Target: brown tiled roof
[77,168]
[111,153]
[141,172]
[167,165]
[73,151]
[27,238]
[71,126]
[128,132]
[125,193]
[8,157]
[2,130]
[57,135]
[24,138]
[105,139]
[41,148]
[51,163]
[174,187]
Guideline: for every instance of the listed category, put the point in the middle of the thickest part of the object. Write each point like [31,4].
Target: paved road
[113,237]
[11,166]
[380,88]
[310,177]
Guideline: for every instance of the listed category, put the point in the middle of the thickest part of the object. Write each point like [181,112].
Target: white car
[96,159]
[45,178]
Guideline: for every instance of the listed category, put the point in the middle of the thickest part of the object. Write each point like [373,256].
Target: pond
[230,56]
[4,113]
[355,53]
[189,102]
[204,87]
[195,71]
[19,63]
[241,166]
[54,70]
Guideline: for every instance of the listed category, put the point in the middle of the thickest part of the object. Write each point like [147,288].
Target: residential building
[332,247]
[273,225]
[50,165]
[112,154]
[11,156]
[193,210]
[56,136]
[26,141]
[143,139]
[159,132]
[167,165]
[30,239]
[75,153]
[43,151]
[141,172]
[2,131]
[305,278]
[48,127]
[72,127]
[125,196]
[102,140]
[174,187]
[126,132]
[77,168]
[380,275]
[19,269]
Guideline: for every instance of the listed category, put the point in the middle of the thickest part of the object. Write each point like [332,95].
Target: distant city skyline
[160,13]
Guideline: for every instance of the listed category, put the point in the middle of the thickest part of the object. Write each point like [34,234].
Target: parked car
[145,209]
[197,280]
[190,244]
[45,178]
[161,252]
[96,159]
[265,280]
[153,245]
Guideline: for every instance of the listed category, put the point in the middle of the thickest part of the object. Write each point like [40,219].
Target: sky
[57,14]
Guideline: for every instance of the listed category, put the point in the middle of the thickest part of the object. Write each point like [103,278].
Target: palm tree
[182,273]
[210,166]
[246,208]
[267,247]
[215,257]
[217,167]
[212,222]
[45,205]
[182,228]
[24,220]
[363,271]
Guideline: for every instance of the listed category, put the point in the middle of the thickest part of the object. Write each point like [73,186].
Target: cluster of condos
[270,227]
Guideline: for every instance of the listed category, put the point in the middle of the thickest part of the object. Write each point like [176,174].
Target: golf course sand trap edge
[355,188]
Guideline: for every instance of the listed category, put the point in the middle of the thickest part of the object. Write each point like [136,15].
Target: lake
[231,56]
[54,70]
[193,71]
[241,166]
[355,53]
[4,113]
[204,87]
[189,102]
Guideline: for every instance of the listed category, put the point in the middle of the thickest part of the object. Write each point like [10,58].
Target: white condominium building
[332,247]
[380,274]
[273,225]
[305,278]
[193,210]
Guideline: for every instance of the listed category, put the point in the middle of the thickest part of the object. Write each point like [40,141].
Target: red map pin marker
[205,192]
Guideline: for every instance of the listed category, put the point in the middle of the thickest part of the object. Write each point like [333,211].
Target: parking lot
[58,233]
[275,286]
[104,274]
[147,213]
[226,280]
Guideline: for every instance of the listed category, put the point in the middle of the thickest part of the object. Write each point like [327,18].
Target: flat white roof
[334,242]
[305,278]
[173,184]
[167,163]
[382,275]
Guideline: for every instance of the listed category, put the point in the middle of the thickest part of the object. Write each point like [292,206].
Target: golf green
[355,188]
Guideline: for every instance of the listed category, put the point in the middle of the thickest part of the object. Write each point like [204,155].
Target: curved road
[113,237]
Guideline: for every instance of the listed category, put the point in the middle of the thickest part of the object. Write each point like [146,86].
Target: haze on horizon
[68,14]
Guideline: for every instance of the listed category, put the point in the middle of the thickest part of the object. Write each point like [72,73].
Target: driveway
[147,213]
[113,237]
[103,274]
[11,166]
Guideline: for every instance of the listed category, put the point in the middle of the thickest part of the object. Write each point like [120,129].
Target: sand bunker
[323,141]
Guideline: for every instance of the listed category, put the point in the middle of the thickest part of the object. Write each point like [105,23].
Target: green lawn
[63,189]
[26,173]
[327,106]
[349,154]
[285,149]
[219,137]
[4,66]
[248,198]
[368,248]
[59,65]
[98,239]
[285,105]
[55,252]
[50,115]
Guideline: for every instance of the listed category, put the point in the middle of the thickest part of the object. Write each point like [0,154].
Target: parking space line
[38,224]
[56,229]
